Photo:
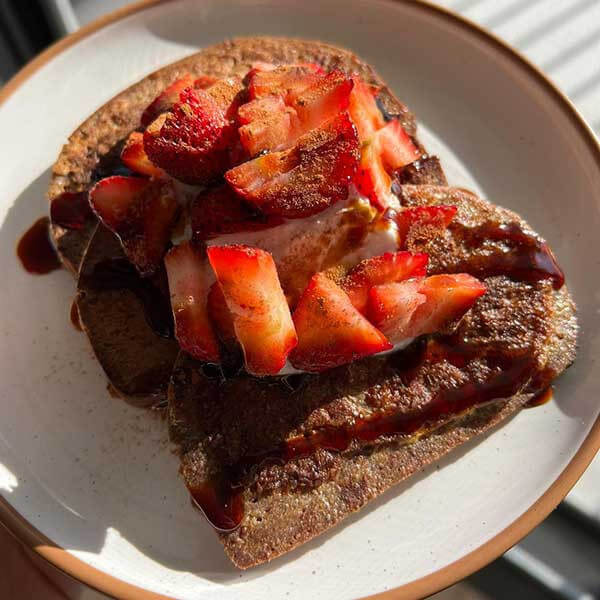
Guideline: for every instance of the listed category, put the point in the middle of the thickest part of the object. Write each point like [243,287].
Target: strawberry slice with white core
[397,149]
[135,158]
[261,316]
[363,109]
[305,179]
[436,217]
[141,213]
[331,332]
[268,124]
[389,148]
[372,179]
[286,81]
[449,297]
[165,100]
[392,305]
[271,124]
[387,268]
[446,298]
[189,277]
[323,100]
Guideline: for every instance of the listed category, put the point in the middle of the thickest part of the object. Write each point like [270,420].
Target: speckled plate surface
[91,483]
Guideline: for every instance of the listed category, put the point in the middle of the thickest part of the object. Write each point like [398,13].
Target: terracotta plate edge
[429,584]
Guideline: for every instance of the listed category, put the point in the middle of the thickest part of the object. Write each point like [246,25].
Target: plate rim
[61,559]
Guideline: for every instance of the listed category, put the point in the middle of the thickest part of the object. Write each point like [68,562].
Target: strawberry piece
[387,268]
[331,332]
[438,217]
[363,109]
[439,300]
[219,211]
[261,316]
[141,213]
[389,148]
[228,94]
[372,180]
[392,305]
[397,149]
[305,179]
[449,297]
[135,158]
[221,315]
[165,100]
[204,81]
[323,100]
[285,81]
[194,141]
[189,276]
[268,124]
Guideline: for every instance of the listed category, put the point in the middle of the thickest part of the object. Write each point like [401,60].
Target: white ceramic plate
[96,477]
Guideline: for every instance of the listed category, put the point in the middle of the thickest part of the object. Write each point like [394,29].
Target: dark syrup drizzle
[35,249]
[119,274]
[221,499]
[529,258]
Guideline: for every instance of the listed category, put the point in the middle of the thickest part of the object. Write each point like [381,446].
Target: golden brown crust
[109,125]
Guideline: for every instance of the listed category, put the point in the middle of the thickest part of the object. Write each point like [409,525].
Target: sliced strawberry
[305,179]
[331,332]
[165,100]
[221,315]
[438,300]
[135,158]
[285,81]
[372,180]
[389,148]
[204,81]
[141,213]
[189,279]
[392,305]
[268,124]
[323,100]
[228,94]
[261,316]
[220,210]
[194,141]
[438,217]
[364,111]
[387,268]
[449,297]
[397,149]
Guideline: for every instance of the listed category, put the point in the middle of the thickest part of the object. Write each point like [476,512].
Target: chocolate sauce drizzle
[529,259]
[36,251]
